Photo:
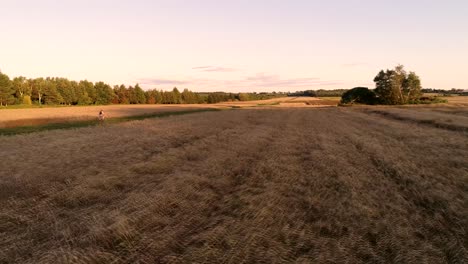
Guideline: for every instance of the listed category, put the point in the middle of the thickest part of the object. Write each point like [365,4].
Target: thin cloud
[214,69]
[220,69]
[159,81]
[201,67]
[274,81]
[258,82]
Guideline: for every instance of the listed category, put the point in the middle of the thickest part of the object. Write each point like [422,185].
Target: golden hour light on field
[247,131]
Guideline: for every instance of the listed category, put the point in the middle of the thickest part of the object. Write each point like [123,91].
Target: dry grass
[335,185]
[39,116]
[457,100]
[285,102]
[449,118]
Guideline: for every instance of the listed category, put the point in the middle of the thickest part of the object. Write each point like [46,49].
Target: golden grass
[335,185]
[38,116]
[282,102]
[457,100]
[452,118]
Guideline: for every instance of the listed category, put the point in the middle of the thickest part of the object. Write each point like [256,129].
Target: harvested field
[39,116]
[448,118]
[457,100]
[285,102]
[286,185]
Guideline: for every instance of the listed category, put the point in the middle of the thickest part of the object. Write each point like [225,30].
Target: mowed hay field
[39,116]
[286,185]
[286,102]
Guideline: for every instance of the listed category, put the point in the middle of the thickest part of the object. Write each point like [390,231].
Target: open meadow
[255,185]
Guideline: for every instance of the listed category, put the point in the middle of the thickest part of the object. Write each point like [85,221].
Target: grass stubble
[44,124]
[337,185]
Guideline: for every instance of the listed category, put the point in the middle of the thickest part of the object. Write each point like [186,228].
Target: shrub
[430,100]
[360,95]
[27,100]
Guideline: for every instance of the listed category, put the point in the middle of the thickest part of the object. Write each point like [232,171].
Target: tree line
[61,91]
[453,91]
[320,93]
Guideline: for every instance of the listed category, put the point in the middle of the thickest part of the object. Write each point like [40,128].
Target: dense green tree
[139,95]
[122,94]
[51,94]
[360,95]
[217,97]
[383,87]
[90,90]
[82,97]
[153,97]
[104,93]
[38,87]
[132,98]
[397,86]
[6,90]
[177,97]
[243,97]
[168,98]
[116,99]
[66,90]
[150,97]
[158,96]
[412,88]
[22,89]
[189,97]
[202,98]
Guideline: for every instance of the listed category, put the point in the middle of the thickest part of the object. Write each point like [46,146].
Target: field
[49,115]
[46,115]
[457,100]
[286,102]
[255,185]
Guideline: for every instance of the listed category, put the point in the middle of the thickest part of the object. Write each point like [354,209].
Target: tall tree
[38,86]
[65,89]
[132,98]
[168,97]
[177,97]
[158,96]
[383,87]
[150,98]
[397,86]
[82,97]
[139,95]
[22,89]
[412,88]
[90,90]
[51,94]
[104,93]
[6,90]
[189,97]
[122,93]
[398,82]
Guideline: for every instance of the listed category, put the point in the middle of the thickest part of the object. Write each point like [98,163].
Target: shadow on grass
[86,123]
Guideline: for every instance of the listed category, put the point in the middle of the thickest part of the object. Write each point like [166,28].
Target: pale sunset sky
[235,45]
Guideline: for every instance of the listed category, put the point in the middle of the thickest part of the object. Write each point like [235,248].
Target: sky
[235,45]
